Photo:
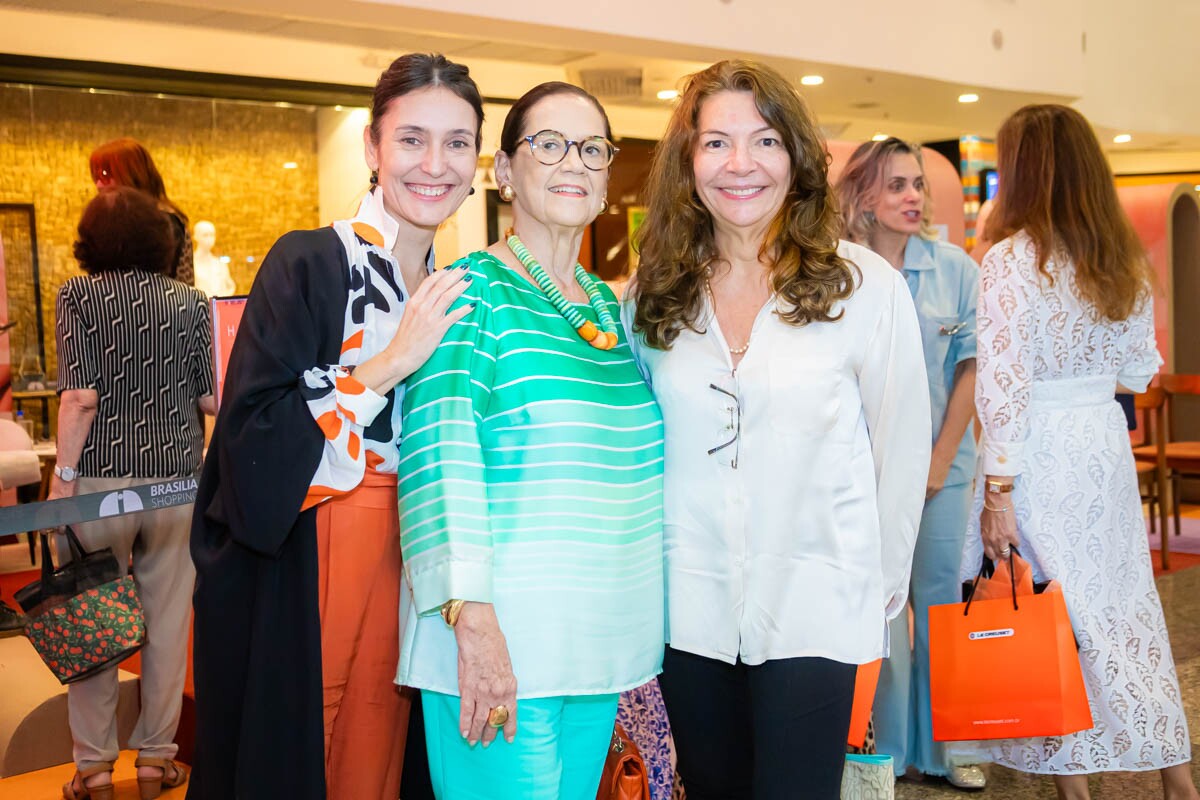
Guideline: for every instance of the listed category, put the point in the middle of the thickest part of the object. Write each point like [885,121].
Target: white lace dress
[1048,366]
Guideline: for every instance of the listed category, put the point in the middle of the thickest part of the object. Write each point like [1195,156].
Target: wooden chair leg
[1175,492]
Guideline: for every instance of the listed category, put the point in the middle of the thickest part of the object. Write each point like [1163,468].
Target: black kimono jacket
[257,648]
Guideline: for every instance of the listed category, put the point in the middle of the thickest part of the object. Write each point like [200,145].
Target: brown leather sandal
[172,775]
[85,792]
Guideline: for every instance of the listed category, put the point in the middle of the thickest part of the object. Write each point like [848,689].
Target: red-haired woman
[126,162]
[1065,318]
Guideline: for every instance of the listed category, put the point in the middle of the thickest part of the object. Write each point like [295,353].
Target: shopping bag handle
[77,551]
[1012,574]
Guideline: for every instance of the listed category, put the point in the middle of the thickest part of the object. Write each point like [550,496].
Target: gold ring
[498,716]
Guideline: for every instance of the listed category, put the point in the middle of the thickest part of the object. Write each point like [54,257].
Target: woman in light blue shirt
[886,206]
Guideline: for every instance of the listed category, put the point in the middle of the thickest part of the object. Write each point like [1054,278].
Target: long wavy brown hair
[1056,186]
[675,243]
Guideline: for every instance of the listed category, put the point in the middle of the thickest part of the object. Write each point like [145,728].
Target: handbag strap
[986,567]
[47,559]
[77,551]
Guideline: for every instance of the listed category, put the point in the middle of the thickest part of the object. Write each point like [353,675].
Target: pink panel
[944,185]
[1149,209]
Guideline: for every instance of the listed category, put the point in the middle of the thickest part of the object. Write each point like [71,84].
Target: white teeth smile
[428,191]
[743,192]
[572,190]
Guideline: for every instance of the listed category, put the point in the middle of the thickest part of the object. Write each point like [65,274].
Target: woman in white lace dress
[1065,318]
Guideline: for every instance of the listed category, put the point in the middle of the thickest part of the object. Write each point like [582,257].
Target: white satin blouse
[805,548]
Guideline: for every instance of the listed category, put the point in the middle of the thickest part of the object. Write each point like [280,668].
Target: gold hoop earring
[604,205]
[507,193]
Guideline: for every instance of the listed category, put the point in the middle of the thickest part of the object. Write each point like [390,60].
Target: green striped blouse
[531,478]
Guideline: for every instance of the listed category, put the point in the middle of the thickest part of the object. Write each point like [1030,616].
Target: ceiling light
[290,165]
[337,108]
[1122,138]
[812,80]
[969,97]
[879,137]
[668,94]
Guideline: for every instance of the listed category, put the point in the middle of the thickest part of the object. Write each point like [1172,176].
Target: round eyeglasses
[550,148]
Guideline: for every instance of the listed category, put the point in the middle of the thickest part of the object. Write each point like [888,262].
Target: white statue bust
[212,274]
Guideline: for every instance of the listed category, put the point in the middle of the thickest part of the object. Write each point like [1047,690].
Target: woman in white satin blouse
[789,371]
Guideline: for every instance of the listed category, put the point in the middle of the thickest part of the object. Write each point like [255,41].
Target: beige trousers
[157,541]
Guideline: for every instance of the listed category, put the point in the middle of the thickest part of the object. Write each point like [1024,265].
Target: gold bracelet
[998,510]
[450,611]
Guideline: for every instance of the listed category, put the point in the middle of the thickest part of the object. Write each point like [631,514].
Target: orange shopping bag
[1007,667]
[865,682]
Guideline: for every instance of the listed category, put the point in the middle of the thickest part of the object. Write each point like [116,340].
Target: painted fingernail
[485,745]
[468,279]
[473,305]
[464,733]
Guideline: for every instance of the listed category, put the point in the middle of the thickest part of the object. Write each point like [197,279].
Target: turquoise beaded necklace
[604,339]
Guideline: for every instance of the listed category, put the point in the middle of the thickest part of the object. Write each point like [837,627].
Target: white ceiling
[853,103]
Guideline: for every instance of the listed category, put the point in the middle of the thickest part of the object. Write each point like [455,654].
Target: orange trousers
[366,713]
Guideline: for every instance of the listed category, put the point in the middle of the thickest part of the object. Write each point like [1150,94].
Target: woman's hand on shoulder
[485,675]
[426,320]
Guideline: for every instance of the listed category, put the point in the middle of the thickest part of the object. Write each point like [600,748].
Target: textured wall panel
[221,161]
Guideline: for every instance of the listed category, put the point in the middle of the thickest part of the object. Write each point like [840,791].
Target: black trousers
[775,731]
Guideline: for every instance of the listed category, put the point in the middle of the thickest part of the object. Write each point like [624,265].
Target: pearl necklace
[737,351]
[605,339]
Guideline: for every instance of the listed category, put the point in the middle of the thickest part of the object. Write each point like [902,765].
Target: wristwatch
[67,474]
[997,487]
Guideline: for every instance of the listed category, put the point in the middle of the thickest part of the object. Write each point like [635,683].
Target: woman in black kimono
[295,535]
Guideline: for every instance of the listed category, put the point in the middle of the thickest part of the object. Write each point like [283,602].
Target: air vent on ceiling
[832,130]
[612,82]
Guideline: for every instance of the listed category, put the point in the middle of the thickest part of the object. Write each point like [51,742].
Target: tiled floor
[1180,592]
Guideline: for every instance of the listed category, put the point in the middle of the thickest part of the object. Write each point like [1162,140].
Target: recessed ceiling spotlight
[879,137]
[290,165]
[337,108]
[1122,138]
[969,97]
[1198,187]
[668,94]
[812,80]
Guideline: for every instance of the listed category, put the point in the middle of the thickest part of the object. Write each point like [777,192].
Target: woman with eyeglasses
[886,206]
[788,367]
[531,489]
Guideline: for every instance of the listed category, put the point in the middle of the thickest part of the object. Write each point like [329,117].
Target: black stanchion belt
[87,507]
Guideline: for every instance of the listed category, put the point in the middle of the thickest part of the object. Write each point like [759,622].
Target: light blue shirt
[944,282]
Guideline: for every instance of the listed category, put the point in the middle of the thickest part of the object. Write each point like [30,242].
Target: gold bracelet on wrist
[998,510]
[450,611]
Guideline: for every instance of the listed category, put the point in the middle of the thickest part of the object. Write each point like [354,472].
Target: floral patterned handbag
[84,617]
